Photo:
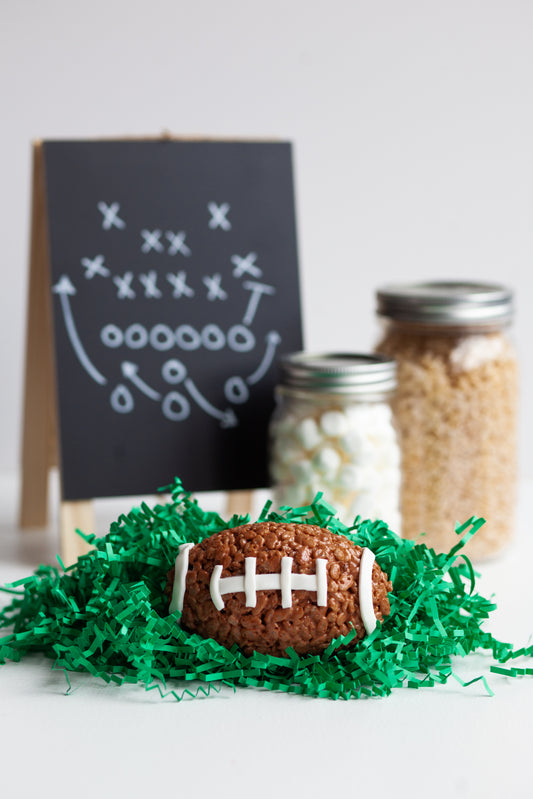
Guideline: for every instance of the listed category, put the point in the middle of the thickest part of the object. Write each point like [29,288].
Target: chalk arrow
[227,418]
[64,286]
[65,290]
[131,372]
[272,340]
[257,289]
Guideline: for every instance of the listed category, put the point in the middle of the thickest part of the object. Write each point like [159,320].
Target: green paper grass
[108,615]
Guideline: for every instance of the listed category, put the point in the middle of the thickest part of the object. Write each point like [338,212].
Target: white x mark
[177,243]
[151,241]
[110,214]
[179,284]
[125,291]
[95,266]
[149,282]
[214,289]
[218,216]
[246,264]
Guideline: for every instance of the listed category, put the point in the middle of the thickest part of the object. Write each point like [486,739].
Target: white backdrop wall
[412,123]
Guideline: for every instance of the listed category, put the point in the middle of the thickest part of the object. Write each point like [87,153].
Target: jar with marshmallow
[333,432]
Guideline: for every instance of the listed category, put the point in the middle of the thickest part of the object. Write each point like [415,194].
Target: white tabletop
[434,742]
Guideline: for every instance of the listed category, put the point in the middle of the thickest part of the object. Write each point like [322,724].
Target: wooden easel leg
[240,502]
[39,444]
[73,516]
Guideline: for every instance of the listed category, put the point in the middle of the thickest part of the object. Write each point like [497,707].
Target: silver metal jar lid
[339,373]
[446,303]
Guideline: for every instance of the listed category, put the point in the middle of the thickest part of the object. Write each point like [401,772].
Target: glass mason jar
[456,408]
[332,431]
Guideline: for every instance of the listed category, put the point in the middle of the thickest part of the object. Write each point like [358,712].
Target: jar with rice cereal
[456,408]
[333,432]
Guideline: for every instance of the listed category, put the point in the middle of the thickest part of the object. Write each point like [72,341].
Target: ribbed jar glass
[456,408]
[333,431]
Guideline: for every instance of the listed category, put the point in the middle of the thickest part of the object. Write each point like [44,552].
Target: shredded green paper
[108,614]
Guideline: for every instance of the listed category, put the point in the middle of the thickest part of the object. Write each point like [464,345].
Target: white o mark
[174,371]
[213,338]
[112,336]
[161,337]
[241,339]
[176,407]
[236,390]
[121,399]
[188,338]
[136,336]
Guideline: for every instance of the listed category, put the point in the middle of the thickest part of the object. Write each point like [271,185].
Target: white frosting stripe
[284,580]
[366,601]
[214,588]
[321,582]
[180,577]
[250,582]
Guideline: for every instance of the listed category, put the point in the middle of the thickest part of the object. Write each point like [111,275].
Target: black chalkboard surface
[175,289]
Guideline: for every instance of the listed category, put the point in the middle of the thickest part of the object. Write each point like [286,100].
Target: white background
[412,124]
[413,132]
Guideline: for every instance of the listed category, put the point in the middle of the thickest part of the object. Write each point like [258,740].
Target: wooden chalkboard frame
[40,450]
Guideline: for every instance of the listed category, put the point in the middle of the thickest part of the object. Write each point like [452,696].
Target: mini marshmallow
[348,476]
[475,351]
[327,461]
[352,442]
[302,471]
[286,451]
[363,504]
[334,423]
[307,433]
[284,425]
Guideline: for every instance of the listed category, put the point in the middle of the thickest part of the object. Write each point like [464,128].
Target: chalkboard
[175,289]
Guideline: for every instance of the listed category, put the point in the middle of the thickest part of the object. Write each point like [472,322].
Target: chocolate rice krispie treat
[269,586]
